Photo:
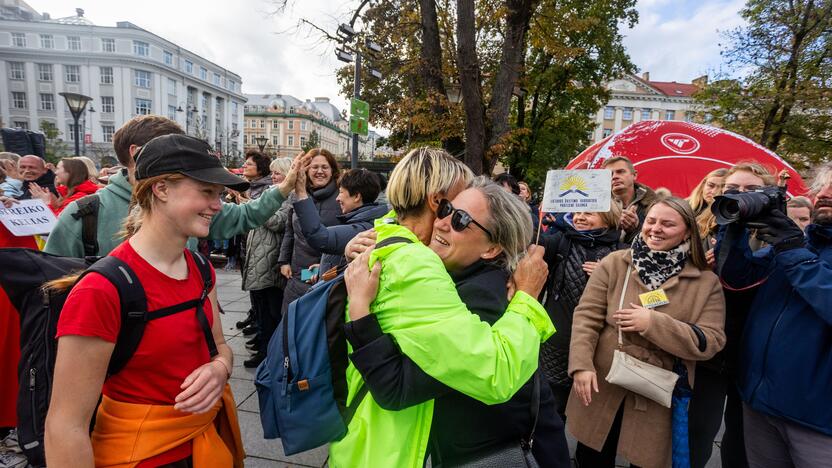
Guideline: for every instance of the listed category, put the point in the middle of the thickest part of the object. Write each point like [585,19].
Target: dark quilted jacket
[566,252]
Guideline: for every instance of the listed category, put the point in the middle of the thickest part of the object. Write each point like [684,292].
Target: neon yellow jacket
[418,305]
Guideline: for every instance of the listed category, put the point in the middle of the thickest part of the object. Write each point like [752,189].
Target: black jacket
[566,252]
[46,181]
[462,426]
[295,250]
[331,240]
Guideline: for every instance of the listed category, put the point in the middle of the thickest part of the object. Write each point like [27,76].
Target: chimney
[645,76]
[79,12]
[701,82]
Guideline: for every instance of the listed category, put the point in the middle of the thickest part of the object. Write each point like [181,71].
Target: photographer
[785,372]
[715,393]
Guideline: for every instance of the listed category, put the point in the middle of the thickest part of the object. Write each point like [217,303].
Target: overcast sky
[675,40]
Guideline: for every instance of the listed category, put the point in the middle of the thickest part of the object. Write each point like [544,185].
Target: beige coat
[695,297]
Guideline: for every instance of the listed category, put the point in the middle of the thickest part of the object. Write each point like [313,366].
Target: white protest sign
[577,190]
[27,218]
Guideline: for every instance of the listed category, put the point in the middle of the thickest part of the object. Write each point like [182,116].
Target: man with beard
[785,373]
[33,170]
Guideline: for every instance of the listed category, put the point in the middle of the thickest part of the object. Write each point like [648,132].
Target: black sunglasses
[460,219]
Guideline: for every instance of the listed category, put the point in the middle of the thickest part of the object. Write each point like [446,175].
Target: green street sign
[359,108]
[359,126]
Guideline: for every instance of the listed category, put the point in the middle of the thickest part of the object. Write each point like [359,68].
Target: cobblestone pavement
[261,452]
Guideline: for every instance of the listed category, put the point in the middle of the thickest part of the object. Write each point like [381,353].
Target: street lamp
[76,103]
[261,142]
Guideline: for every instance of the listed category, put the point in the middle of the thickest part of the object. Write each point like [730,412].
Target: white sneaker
[9,443]
[12,460]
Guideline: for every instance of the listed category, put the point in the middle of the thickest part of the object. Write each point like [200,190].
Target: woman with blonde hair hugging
[170,404]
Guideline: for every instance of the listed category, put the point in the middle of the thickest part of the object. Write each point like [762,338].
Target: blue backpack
[302,383]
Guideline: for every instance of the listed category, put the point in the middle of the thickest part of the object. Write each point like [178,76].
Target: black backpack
[39,312]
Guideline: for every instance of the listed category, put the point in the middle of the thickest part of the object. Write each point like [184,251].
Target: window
[646,114]
[232,85]
[21,124]
[168,58]
[688,116]
[262,124]
[47,102]
[108,45]
[141,78]
[302,141]
[47,41]
[172,86]
[627,114]
[291,140]
[607,132]
[290,125]
[670,115]
[303,125]
[217,79]
[235,108]
[18,39]
[107,131]
[203,73]
[73,43]
[142,49]
[45,72]
[108,104]
[72,73]
[18,100]
[609,113]
[275,124]
[172,112]
[106,75]
[143,106]
[16,71]
[71,133]
[275,140]
[189,67]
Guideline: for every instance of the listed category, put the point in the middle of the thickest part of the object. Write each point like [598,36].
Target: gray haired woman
[480,236]
[261,277]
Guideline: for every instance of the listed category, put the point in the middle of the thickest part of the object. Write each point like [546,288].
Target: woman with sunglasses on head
[681,321]
[417,304]
[480,237]
[581,240]
[170,405]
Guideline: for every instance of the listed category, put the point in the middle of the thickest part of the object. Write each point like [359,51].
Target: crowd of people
[479,326]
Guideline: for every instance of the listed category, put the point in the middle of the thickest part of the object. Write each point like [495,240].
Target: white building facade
[126,70]
[636,98]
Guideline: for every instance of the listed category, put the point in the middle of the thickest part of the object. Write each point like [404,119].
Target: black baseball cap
[186,155]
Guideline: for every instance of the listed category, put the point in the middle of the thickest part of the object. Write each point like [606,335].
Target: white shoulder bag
[638,376]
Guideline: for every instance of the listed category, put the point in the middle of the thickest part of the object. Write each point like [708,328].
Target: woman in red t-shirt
[153,411]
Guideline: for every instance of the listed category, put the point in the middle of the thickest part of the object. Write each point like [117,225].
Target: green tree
[313,142]
[55,146]
[777,87]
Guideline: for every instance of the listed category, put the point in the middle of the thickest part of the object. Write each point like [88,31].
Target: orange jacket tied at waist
[127,433]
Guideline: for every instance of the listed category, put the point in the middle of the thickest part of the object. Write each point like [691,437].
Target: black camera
[745,206]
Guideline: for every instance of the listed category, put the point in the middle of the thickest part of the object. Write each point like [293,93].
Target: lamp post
[261,142]
[76,103]
[346,34]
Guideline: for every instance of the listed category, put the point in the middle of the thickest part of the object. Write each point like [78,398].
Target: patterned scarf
[654,267]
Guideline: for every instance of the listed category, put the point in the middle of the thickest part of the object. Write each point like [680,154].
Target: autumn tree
[778,88]
[491,81]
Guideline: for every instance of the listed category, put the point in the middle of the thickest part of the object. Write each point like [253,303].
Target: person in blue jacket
[357,193]
[785,375]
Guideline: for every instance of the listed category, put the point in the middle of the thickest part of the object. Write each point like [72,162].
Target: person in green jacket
[114,199]
[418,305]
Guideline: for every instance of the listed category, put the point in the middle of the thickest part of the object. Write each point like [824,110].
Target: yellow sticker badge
[653,299]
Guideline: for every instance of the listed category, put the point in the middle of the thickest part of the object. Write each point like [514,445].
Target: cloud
[679,41]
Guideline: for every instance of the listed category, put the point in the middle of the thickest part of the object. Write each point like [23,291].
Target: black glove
[779,231]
